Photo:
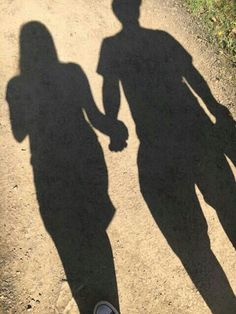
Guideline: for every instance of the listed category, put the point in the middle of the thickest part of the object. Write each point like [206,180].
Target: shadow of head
[37,49]
[127,11]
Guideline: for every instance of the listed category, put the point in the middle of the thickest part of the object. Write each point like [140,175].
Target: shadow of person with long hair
[47,102]
[180,146]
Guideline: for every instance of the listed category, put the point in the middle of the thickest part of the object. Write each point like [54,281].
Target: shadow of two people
[179,147]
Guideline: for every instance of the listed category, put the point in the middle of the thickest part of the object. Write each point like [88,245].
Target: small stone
[29,307]
[213,19]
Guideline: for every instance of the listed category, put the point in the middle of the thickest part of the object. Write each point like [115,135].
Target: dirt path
[150,277]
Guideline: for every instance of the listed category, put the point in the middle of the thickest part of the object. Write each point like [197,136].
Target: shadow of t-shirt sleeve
[108,61]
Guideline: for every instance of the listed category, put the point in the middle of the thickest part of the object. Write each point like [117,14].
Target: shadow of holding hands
[47,102]
[180,146]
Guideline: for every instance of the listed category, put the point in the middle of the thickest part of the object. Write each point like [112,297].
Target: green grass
[220,19]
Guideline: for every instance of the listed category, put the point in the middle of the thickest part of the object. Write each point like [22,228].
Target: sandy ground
[150,277]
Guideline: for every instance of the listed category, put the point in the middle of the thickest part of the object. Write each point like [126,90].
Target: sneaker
[104,307]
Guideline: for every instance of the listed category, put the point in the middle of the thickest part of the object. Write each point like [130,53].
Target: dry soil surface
[150,276]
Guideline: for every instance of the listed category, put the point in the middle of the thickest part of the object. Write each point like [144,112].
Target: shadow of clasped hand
[119,137]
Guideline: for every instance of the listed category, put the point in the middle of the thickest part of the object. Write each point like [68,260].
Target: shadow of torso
[170,123]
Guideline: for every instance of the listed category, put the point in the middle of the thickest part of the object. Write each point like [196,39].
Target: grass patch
[220,19]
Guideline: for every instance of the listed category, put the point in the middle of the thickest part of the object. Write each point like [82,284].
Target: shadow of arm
[200,86]
[17,110]
[225,127]
[111,103]
[104,123]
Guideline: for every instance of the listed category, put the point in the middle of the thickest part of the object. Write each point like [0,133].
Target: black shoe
[104,307]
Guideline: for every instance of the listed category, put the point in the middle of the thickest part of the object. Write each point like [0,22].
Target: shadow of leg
[76,218]
[87,259]
[178,214]
[217,185]
[96,265]
[208,277]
